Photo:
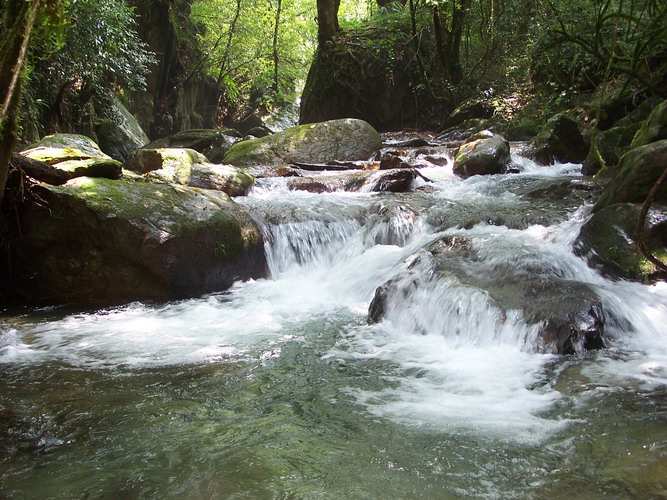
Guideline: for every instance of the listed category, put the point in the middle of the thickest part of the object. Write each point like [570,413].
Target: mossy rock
[187,167]
[559,140]
[606,241]
[212,143]
[654,128]
[343,140]
[484,154]
[115,241]
[472,108]
[522,130]
[636,174]
[93,167]
[233,181]
[611,145]
[76,154]
[61,147]
[119,136]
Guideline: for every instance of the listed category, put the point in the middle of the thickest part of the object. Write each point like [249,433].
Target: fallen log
[40,171]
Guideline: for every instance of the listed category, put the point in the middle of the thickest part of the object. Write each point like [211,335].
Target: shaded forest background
[181,64]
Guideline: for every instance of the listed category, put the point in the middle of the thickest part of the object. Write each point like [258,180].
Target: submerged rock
[76,154]
[484,154]
[115,241]
[568,315]
[393,181]
[340,140]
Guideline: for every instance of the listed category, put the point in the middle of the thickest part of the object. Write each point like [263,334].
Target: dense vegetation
[180,64]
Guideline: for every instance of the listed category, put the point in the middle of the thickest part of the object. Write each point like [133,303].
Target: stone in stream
[103,241]
[483,154]
[569,315]
[392,181]
[559,140]
[342,140]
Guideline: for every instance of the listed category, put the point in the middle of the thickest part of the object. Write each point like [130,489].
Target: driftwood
[40,171]
[332,165]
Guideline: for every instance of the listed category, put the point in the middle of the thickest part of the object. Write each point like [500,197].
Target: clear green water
[281,423]
[279,390]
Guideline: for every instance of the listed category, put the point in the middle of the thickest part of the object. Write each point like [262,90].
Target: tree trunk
[19,20]
[327,18]
[276,58]
[448,27]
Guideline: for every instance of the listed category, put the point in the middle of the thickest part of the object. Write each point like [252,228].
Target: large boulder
[98,240]
[636,174]
[76,154]
[187,167]
[212,143]
[341,140]
[654,128]
[119,136]
[559,140]
[472,108]
[485,153]
[610,146]
[606,241]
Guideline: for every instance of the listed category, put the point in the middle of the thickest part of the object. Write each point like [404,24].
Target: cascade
[287,386]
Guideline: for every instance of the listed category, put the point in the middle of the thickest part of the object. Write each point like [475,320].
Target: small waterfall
[400,338]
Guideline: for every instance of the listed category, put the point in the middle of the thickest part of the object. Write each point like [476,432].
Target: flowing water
[279,388]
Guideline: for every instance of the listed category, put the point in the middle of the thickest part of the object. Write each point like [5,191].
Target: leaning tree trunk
[19,19]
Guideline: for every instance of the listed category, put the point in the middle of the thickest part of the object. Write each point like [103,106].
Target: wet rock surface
[101,241]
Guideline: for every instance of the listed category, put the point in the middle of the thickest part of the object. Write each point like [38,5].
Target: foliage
[603,38]
[101,55]
[237,41]
[23,25]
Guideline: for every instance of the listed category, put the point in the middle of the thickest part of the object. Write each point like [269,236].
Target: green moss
[241,152]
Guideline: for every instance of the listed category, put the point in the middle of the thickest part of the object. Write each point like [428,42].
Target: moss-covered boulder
[212,143]
[654,128]
[559,140]
[77,154]
[610,146]
[484,154]
[636,174]
[521,129]
[187,167]
[119,136]
[342,140]
[98,240]
[606,241]
[472,108]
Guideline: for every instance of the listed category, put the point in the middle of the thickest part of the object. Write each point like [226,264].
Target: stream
[279,388]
